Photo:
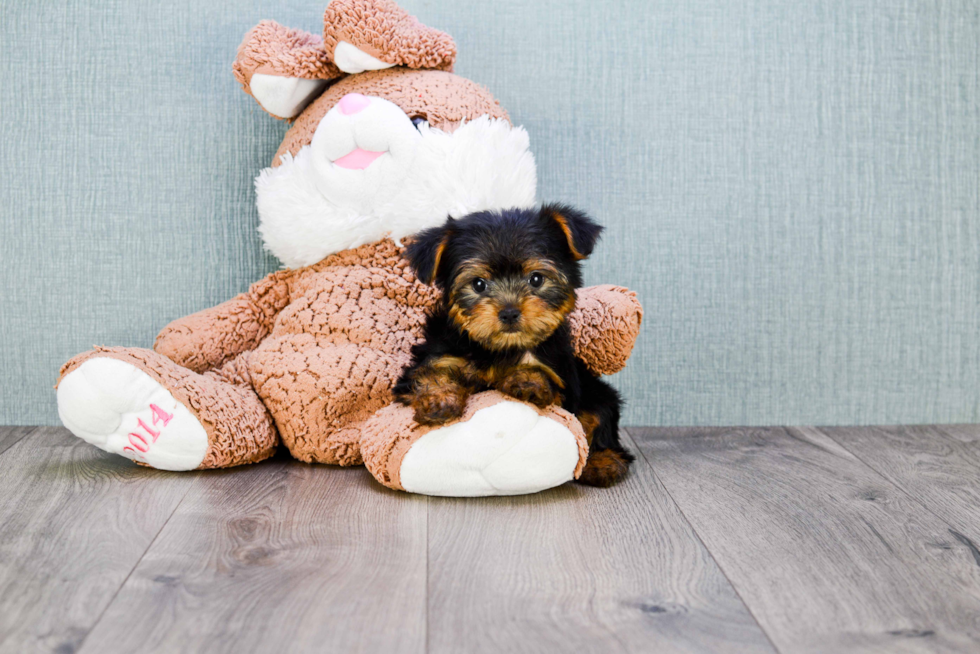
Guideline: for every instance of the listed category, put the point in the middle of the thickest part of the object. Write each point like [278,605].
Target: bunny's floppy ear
[426,254]
[373,34]
[580,231]
[284,69]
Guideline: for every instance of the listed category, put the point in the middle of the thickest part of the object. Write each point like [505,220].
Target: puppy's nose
[509,316]
[352,103]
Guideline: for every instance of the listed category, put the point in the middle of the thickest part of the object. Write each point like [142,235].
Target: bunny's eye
[418,120]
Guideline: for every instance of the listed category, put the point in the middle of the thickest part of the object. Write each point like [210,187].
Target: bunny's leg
[143,406]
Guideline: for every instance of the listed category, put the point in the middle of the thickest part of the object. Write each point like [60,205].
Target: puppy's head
[508,277]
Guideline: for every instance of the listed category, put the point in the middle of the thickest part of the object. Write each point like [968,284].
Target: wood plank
[961,433]
[10,435]
[280,556]
[581,570]
[938,466]
[828,555]
[74,522]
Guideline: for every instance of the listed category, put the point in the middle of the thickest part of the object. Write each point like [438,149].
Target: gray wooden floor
[722,540]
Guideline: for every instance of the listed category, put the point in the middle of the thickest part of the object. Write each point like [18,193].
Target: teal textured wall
[791,186]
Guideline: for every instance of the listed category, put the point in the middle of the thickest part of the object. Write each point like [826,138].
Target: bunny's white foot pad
[120,409]
[504,449]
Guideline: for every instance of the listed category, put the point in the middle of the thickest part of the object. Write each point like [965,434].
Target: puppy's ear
[425,253]
[580,230]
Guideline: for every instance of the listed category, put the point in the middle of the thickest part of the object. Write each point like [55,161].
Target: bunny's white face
[371,172]
[362,150]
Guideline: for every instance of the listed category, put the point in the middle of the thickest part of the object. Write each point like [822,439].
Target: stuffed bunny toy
[385,142]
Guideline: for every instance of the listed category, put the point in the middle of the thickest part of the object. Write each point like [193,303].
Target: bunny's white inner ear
[285,97]
[351,59]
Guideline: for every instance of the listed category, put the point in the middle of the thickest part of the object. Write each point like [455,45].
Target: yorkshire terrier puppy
[508,283]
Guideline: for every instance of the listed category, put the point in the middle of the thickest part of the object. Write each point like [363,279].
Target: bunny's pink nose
[353,102]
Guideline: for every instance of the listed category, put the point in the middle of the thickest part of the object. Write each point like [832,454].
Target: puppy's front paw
[605,468]
[529,385]
[439,406]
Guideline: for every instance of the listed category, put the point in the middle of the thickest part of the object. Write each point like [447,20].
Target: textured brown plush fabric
[378,27]
[239,428]
[391,432]
[338,347]
[208,338]
[271,49]
[387,32]
[443,99]
[605,324]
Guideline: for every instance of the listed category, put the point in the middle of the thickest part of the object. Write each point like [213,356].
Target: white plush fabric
[351,59]
[310,207]
[103,401]
[285,97]
[505,449]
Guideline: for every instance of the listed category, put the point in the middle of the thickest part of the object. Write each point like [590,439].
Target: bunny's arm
[605,324]
[208,338]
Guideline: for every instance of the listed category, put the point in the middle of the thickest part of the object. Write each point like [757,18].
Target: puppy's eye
[536,280]
[418,120]
[479,285]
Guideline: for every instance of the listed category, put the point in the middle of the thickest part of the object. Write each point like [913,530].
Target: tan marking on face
[512,341]
[468,272]
[542,319]
[480,318]
[458,317]
[538,321]
[482,323]
[541,265]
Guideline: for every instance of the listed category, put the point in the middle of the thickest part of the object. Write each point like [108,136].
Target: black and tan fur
[508,281]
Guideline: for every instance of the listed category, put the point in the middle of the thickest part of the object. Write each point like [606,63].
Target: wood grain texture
[74,522]
[835,540]
[280,556]
[10,435]
[578,569]
[828,555]
[939,466]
